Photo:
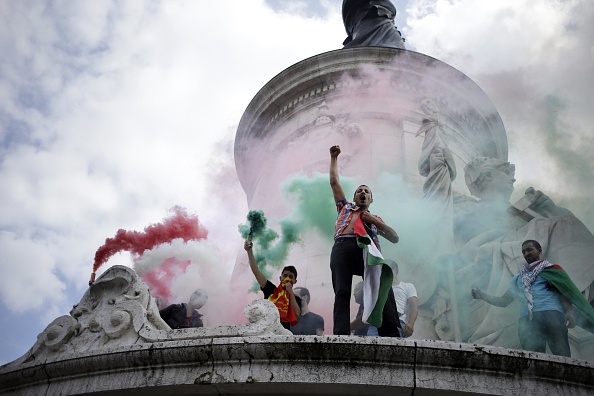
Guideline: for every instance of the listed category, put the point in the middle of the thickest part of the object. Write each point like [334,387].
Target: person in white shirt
[406,303]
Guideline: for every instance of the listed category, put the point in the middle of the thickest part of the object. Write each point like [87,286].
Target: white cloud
[27,272]
[111,113]
[489,36]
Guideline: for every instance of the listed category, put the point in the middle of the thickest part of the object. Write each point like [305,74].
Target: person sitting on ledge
[309,323]
[180,316]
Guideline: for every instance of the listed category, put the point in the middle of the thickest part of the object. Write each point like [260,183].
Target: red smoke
[180,225]
[159,279]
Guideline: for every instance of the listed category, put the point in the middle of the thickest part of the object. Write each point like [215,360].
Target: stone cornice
[303,365]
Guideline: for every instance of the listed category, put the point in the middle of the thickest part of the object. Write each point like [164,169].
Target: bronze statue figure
[370,23]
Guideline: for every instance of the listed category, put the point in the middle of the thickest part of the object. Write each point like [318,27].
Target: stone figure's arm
[383,229]
[320,331]
[544,205]
[260,278]
[568,310]
[334,177]
[412,313]
[502,301]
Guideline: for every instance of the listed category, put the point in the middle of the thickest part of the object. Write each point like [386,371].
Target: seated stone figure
[489,232]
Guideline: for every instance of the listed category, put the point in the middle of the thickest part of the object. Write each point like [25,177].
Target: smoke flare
[179,225]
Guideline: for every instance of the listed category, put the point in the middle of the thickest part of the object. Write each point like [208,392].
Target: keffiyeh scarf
[529,277]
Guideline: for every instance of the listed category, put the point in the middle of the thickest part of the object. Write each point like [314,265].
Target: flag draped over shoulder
[281,299]
[557,276]
[377,276]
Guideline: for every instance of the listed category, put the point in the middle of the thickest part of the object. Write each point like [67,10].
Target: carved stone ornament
[118,311]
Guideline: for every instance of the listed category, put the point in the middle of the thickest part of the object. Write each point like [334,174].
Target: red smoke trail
[180,225]
[160,278]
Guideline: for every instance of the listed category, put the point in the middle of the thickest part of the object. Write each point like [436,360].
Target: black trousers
[346,260]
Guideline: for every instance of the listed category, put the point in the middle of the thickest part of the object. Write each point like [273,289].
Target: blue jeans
[546,327]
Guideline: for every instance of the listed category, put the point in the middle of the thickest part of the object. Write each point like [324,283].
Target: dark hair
[370,192]
[290,268]
[532,241]
[304,292]
[393,264]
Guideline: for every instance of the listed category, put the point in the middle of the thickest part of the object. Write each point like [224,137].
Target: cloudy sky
[112,112]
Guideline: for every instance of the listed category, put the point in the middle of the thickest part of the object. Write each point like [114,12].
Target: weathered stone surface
[303,365]
[118,311]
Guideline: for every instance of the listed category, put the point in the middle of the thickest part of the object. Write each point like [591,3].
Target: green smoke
[314,209]
[261,234]
[314,204]
[269,256]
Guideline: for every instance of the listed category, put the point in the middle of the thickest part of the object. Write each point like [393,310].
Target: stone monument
[406,123]
[408,120]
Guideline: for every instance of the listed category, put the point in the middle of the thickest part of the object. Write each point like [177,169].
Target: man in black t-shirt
[287,278]
[309,322]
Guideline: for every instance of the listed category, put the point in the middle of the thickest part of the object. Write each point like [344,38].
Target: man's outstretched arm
[502,301]
[260,278]
[334,177]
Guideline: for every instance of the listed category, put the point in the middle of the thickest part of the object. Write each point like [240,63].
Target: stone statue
[436,163]
[488,233]
[370,23]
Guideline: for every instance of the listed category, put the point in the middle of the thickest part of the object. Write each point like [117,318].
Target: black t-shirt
[308,324]
[268,289]
[175,316]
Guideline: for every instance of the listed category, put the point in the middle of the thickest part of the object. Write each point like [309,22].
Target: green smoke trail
[314,209]
[314,204]
[262,235]
[268,256]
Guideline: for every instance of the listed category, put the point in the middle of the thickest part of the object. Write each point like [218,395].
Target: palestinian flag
[377,276]
[584,314]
